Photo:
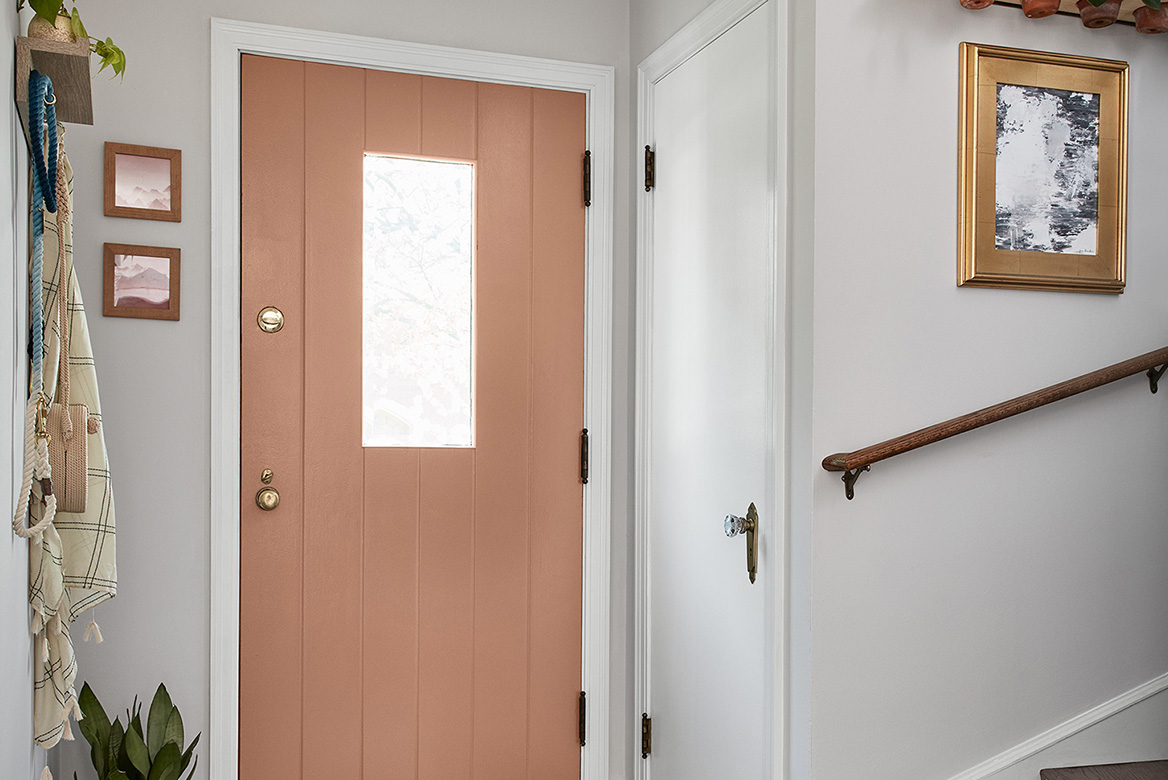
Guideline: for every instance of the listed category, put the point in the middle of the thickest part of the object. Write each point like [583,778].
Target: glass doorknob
[735,525]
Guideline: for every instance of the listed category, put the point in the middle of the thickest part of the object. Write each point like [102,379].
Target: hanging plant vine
[110,55]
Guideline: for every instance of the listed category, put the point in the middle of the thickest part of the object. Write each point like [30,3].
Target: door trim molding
[691,39]
[230,40]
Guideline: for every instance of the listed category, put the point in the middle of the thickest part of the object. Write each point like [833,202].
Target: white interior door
[712,409]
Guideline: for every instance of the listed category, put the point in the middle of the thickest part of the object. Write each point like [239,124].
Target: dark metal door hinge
[583,718]
[584,456]
[587,178]
[649,160]
[646,735]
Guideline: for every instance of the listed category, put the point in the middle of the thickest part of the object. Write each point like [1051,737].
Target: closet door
[411,608]
[712,410]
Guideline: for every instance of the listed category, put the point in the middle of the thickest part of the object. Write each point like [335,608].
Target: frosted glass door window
[417,351]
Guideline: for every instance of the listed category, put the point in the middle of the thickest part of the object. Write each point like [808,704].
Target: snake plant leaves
[166,763]
[186,757]
[95,727]
[137,753]
[114,749]
[95,722]
[174,728]
[160,710]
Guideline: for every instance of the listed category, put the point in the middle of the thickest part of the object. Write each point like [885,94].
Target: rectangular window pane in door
[417,351]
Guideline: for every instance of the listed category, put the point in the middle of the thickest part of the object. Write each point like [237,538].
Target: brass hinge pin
[649,165]
[646,735]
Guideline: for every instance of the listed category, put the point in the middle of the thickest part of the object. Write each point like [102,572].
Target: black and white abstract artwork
[1047,182]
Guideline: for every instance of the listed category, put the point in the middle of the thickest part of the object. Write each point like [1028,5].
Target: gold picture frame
[1041,223]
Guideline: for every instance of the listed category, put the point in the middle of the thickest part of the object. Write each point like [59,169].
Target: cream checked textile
[72,565]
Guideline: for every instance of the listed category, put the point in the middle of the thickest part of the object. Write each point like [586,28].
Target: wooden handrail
[855,463]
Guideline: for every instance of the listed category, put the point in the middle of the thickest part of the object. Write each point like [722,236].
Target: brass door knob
[268,499]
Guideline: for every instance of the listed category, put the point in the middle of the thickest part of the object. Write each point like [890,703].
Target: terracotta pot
[1103,16]
[61,31]
[976,5]
[1151,20]
[1037,9]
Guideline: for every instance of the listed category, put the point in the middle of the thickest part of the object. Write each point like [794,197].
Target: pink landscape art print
[141,282]
[142,182]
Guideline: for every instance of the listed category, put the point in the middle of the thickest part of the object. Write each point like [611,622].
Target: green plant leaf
[117,736]
[95,722]
[78,27]
[125,765]
[95,727]
[110,56]
[186,758]
[160,710]
[174,728]
[1153,4]
[137,753]
[193,768]
[166,763]
[47,9]
[136,719]
[118,775]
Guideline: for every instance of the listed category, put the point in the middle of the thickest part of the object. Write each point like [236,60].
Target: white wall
[155,375]
[18,758]
[985,589]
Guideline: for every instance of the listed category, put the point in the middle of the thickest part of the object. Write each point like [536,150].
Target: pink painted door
[409,611]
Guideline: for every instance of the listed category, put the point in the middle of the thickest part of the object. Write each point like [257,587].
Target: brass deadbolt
[270,319]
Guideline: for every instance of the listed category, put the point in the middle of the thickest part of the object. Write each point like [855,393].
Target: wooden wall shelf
[67,64]
[1070,7]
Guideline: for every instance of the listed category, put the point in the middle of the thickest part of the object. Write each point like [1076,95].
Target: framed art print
[141,281]
[143,182]
[1043,171]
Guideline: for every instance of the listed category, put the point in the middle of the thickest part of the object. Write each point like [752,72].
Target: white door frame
[230,40]
[695,36]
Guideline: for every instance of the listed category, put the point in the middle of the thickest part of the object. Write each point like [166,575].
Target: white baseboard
[1064,730]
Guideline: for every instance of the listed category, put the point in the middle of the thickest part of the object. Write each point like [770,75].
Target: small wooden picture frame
[141,281]
[143,182]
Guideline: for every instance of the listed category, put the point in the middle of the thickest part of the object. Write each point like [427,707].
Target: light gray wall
[18,758]
[155,375]
[988,588]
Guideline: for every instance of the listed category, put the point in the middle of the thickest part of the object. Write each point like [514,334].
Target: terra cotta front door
[412,606]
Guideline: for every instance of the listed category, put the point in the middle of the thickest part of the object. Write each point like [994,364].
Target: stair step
[1143,770]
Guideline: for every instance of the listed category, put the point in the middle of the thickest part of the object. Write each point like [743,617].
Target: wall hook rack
[67,64]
